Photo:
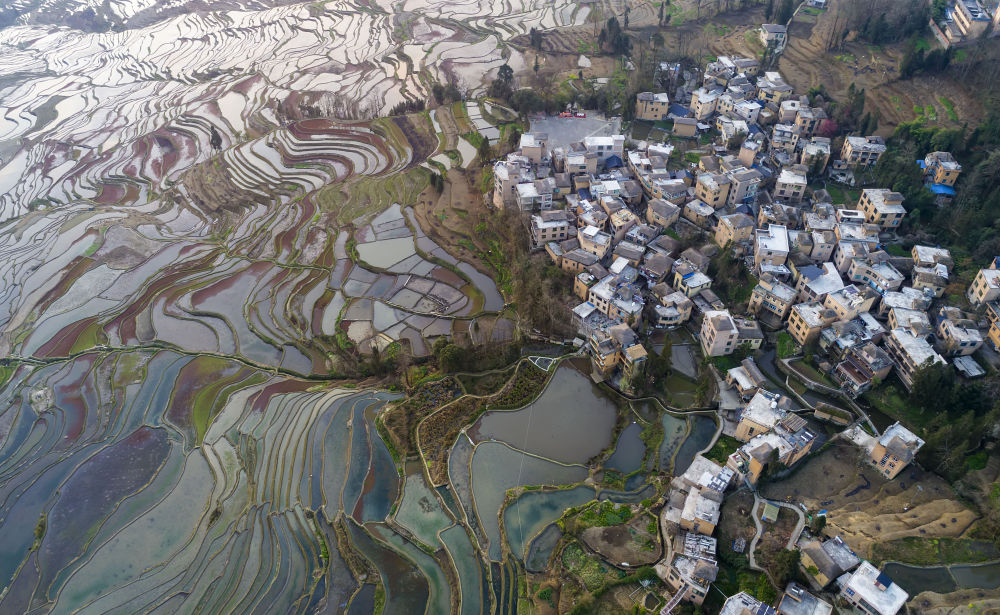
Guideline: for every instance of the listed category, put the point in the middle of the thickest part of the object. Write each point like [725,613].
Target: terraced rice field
[202,219]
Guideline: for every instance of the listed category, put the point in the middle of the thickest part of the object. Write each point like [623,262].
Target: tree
[785,11]
[931,383]
[786,566]
[666,353]
[484,151]
[817,524]
[503,86]
[769,10]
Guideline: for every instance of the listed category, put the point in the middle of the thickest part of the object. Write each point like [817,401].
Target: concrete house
[773,35]
[791,185]
[862,365]
[909,352]
[719,335]
[826,561]
[806,320]
[872,592]
[797,601]
[985,286]
[941,168]
[662,213]
[652,106]
[771,246]
[894,450]
[745,604]
[734,228]
[862,151]
[773,297]
[882,207]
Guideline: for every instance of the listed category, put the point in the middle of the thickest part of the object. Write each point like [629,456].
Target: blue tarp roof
[922,164]
[613,162]
[941,189]
[679,110]
[585,194]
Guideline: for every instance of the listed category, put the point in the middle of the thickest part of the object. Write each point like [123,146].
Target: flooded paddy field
[185,264]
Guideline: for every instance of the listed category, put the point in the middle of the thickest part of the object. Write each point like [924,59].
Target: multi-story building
[791,185]
[719,335]
[970,18]
[773,297]
[551,226]
[845,252]
[606,147]
[672,309]
[620,222]
[689,280]
[816,154]
[771,88]
[693,568]
[808,119]
[935,279]
[771,246]
[826,561]
[704,101]
[746,378]
[985,286]
[745,604]
[959,337]
[850,301]
[535,147]
[941,168]
[743,186]
[733,228]
[862,151]
[909,352]
[882,207]
[507,174]
[876,271]
[652,106]
[699,213]
[535,195]
[773,35]
[815,283]
[862,366]
[894,450]
[712,189]
[761,414]
[786,443]
[785,137]
[798,601]
[595,241]
[873,592]
[926,256]
[662,213]
[806,320]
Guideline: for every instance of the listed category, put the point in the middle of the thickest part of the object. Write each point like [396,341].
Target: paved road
[565,130]
[757,500]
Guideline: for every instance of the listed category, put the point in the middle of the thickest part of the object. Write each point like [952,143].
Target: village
[745,171]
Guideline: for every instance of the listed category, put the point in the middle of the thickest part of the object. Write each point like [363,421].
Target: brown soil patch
[916,503]
[775,537]
[735,520]
[625,543]
[963,602]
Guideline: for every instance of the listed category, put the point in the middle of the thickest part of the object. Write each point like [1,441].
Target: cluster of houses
[771,434]
[615,219]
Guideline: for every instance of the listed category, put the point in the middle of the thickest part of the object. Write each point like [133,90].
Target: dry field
[864,508]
